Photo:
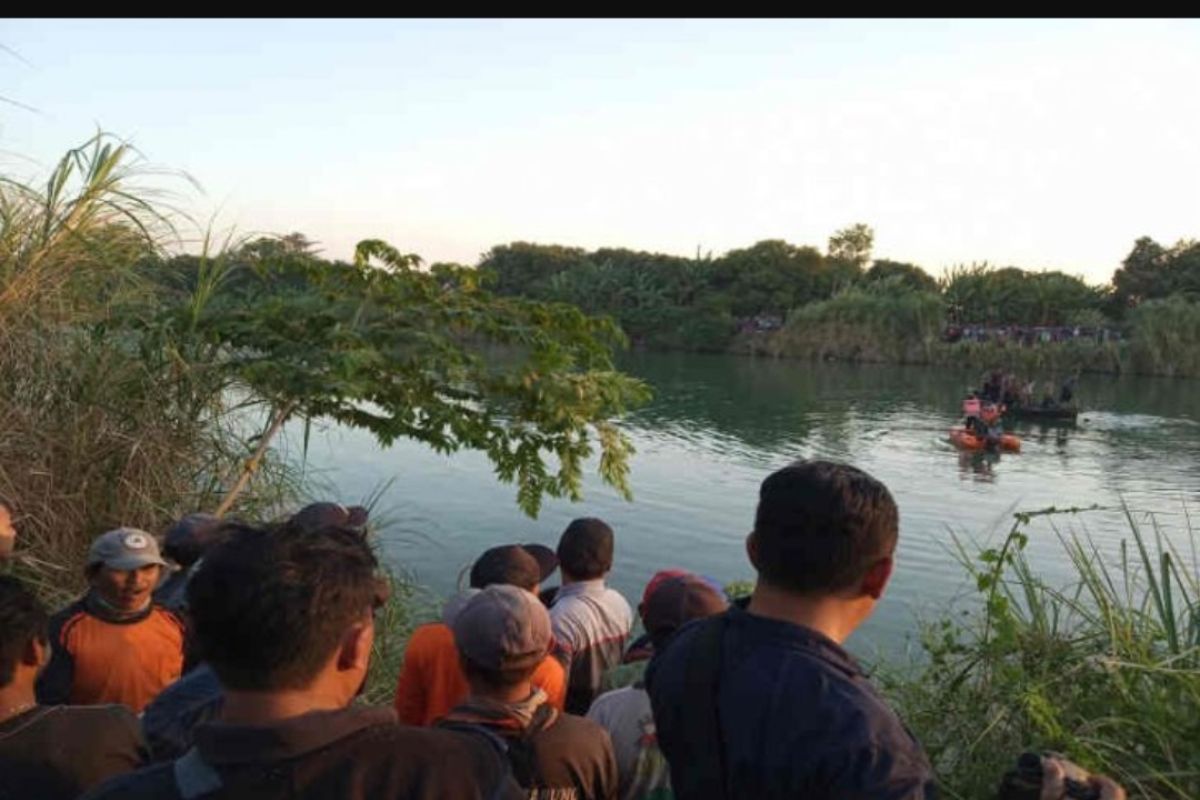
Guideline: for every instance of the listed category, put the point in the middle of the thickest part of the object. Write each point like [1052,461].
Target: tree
[908,276]
[1152,271]
[429,355]
[852,244]
[524,268]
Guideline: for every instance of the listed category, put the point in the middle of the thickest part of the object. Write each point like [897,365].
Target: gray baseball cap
[503,627]
[125,548]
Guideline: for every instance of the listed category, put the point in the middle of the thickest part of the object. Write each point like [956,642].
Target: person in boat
[1010,396]
[991,387]
[992,429]
[1027,393]
[971,408]
[1068,391]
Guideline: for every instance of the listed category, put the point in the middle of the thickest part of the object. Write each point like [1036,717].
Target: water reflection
[978,466]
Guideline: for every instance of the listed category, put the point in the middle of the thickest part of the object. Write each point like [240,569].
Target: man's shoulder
[431,635]
[617,599]
[430,747]
[431,757]
[113,716]
[616,698]
[150,783]
[74,610]
[575,739]
[581,607]
[166,616]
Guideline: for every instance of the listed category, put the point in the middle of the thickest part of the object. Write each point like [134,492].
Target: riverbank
[1171,350]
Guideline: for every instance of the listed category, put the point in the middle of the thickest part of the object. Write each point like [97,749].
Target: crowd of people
[227,663]
[1028,335]
[1006,389]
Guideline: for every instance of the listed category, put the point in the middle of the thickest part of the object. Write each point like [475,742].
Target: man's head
[187,540]
[23,646]
[502,634]
[525,566]
[672,602]
[316,516]
[585,549]
[824,530]
[123,567]
[286,609]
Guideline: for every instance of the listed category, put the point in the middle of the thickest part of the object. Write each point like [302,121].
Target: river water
[719,424]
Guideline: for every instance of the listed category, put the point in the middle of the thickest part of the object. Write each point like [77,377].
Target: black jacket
[795,717]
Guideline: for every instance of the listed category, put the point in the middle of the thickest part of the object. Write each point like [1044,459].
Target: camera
[1025,782]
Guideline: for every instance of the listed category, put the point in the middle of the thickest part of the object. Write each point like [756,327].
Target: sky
[1044,144]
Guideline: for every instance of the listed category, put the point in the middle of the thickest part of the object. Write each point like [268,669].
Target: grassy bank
[1106,669]
[859,326]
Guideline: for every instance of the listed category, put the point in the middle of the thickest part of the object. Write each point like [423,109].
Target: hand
[1054,782]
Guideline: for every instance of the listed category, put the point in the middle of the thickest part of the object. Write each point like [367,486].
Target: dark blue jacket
[797,717]
[169,720]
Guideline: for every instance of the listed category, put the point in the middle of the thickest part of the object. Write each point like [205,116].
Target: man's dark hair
[23,618]
[821,525]
[495,679]
[585,549]
[270,605]
[186,541]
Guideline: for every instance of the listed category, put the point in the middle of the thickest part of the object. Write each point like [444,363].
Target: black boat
[1058,412]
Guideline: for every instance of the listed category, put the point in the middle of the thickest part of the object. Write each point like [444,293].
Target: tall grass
[107,416]
[881,324]
[1166,337]
[892,324]
[1106,669]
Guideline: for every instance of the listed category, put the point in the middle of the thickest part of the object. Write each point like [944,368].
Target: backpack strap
[195,777]
[521,752]
[498,744]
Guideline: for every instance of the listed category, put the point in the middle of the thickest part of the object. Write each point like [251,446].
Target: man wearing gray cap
[502,634]
[115,645]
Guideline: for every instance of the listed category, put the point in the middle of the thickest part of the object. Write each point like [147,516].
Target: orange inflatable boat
[964,439]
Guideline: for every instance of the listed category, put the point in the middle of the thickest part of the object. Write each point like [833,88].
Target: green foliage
[881,322]
[1106,670]
[426,355]
[773,277]
[1154,272]
[1166,336]
[908,276]
[979,294]
[852,245]
[105,423]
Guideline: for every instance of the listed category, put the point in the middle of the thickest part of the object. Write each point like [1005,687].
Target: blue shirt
[798,718]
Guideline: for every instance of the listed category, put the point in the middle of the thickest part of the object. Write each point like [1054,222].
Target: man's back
[567,757]
[170,719]
[352,754]
[58,752]
[626,714]
[797,717]
[591,623]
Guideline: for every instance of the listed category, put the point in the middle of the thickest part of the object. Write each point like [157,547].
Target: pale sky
[1040,143]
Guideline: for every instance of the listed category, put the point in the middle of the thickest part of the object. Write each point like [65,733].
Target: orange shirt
[432,682]
[97,661]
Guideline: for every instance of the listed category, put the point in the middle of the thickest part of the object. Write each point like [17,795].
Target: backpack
[518,749]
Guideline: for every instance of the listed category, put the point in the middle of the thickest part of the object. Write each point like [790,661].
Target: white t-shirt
[629,720]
